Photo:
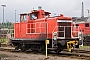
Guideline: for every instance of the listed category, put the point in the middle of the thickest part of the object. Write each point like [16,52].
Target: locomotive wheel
[23,48]
[77,46]
[16,47]
[42,48]
[57,51]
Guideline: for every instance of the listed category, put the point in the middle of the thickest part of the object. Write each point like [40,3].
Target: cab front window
[33,16]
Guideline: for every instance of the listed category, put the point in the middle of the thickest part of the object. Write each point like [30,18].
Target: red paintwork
[85,30]
[23,29]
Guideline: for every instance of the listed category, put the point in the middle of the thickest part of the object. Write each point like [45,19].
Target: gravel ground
[23,56]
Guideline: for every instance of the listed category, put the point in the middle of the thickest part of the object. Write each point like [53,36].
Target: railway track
[77,53]
[82,50]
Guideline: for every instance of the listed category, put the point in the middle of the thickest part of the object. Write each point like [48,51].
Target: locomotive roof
[37,11]
[24,14]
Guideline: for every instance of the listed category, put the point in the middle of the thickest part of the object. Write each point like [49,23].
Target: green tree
[7,24]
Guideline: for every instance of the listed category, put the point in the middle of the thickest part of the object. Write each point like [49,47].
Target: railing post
[47,42]
[64,31]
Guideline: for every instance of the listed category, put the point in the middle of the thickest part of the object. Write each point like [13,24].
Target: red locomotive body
[36,27]
[85,27]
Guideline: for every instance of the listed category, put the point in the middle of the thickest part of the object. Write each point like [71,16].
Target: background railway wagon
[84,24]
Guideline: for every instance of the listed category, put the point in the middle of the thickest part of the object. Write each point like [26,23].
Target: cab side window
[24,18]
[86,24]
[77,25]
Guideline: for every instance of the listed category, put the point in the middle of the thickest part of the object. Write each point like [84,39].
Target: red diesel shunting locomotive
[36,27]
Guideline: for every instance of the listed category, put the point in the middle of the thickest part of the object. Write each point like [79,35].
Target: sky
[70,8]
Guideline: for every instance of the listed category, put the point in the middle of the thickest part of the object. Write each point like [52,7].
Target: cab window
[24,18]
[77,25]
[33,16]
[86,24]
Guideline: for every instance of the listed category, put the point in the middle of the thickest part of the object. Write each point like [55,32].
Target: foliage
[7,25]
[3,40]
[84,46]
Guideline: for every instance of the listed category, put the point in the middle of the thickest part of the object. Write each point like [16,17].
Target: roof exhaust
[39,8]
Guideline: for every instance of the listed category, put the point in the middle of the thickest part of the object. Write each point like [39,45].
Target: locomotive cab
[38,14]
